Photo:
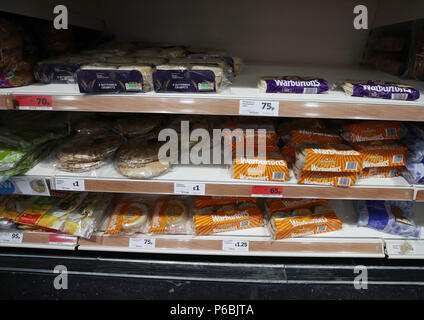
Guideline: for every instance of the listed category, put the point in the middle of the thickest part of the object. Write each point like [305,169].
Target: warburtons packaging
[273,168]
[382,153]
[336,179]
[332,158]
[303,222]
[302,136]
[208,204]
[209,223]
[372,130]
[380,172]
[284,205]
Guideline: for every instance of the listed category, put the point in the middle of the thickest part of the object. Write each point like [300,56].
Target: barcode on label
[321,229]
[343,182]
[310,90]
[393,173]
[278,175]
[397,158]
[244,224]
[351,165]
[399,96]
[391,132]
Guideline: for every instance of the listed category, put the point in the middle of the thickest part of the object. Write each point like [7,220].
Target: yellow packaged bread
[380,172]
[303,222]
[209,204]
[372,130]
[290,204]
[382,153]
[330,158]
[271,168]
[336,179]
[223,221]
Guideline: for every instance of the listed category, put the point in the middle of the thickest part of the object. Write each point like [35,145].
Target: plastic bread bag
[84,219]
[394,217]
[115,78]
[226,61]
[13,205]
[130,215]
[303,222]
[306,136]
[172,215]
[382,153]
[51,212]
[335,179]
[130,126]
[372,130]
[6,224]
[230,217]
[86,152]
[381,172]
[199,77]
[93,126]
[209,204]
[290,204]
[137,159]
[380,89]
[328,158]
[414,173]
[292,84]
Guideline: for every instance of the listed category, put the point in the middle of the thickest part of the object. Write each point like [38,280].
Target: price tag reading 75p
[267,191]
[197,189]
[142,243]
[259,108]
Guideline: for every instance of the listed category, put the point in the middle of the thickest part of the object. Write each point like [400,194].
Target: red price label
[62,239]
[32,102]
[267,191]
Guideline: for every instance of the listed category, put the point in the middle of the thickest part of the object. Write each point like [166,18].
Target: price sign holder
[69,184]
[197,189]
[142,243]
[267,191]
[235,245]
[33,102]
[259,108]
[11,237]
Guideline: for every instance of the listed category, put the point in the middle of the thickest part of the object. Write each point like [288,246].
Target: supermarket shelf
[419,192]
[218,182]
[334,104]
[41,240]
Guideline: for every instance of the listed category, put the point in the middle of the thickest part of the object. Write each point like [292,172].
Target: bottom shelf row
[213,225]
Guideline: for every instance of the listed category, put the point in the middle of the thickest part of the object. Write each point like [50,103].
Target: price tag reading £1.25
[259,108]
[235,245]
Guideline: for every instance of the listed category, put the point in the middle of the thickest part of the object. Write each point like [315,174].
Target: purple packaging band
[56,72]
[385,91]
[194,81]
[110,81]
[307,86]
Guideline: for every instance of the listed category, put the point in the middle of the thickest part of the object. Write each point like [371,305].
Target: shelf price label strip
[33,102]
[267,191]
[11,237]
[259,108]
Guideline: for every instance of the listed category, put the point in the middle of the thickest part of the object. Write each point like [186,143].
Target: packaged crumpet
[380,172]
[382,153]
[336,179]
[273,168]
[372,130]
[130,215]
[223,221]
[303,222]
[284,205]
[171,215]
[331,158]
[208,204]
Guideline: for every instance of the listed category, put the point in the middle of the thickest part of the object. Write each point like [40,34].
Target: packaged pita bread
[380,89]
[292,84]
[372,130]
[382,153]
[303,222]
[330,158]
[171,215]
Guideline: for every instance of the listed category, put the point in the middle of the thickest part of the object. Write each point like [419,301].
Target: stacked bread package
[384,156]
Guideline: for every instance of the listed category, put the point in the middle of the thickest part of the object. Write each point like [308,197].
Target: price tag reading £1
[142,243]
[69,184]
[259,108]
[235,245]
[197,189]
[10,237]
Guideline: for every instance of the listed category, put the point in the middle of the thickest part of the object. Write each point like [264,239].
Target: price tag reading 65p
[267,191]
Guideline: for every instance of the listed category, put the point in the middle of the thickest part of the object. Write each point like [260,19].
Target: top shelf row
[236,99]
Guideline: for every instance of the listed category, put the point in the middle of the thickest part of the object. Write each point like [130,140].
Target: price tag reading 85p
[259,108]
[235,245]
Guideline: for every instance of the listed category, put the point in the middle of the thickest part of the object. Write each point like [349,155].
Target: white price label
[197,189]
[31,185]
[235,245]
[403,248]
[259,108]
[142,243]
[69,184]
[10,237]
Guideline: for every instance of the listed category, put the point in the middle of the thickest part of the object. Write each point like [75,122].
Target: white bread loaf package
[190,75]
[114,78]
